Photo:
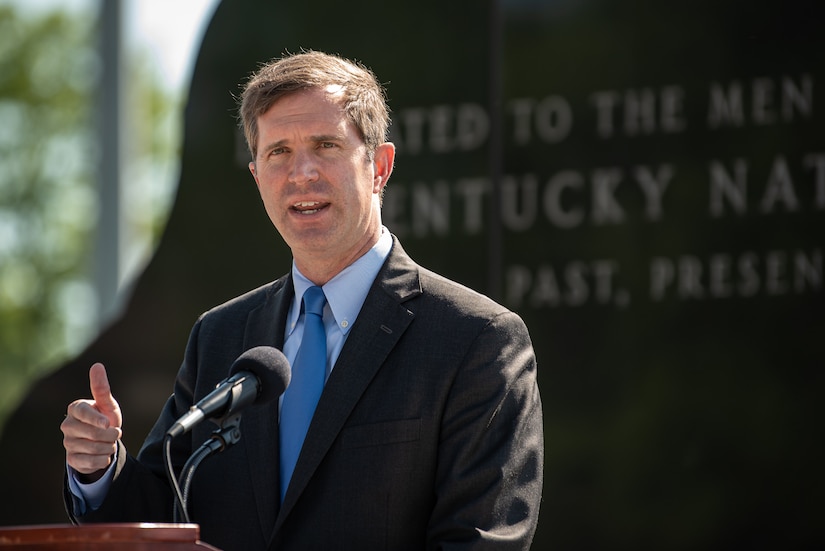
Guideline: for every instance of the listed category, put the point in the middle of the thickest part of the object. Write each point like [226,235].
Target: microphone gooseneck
[259,375]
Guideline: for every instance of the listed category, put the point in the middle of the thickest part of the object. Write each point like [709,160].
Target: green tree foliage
[48,74]
[49,86]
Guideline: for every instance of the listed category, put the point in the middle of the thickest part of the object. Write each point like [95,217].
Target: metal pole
[107,261]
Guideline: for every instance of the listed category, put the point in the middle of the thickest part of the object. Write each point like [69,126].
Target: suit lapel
[381,322]
[266,327]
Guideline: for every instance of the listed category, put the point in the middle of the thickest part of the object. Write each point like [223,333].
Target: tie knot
[314,300]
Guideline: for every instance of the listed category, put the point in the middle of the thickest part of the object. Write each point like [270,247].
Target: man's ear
[254,173]
[383,163]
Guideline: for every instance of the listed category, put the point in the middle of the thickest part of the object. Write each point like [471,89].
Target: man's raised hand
[92,428]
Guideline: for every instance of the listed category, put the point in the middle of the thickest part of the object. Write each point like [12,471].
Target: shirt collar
[346,291]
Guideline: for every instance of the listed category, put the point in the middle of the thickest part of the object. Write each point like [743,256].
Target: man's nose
[304,167]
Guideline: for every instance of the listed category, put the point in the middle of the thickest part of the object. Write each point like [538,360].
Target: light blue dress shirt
[345,294]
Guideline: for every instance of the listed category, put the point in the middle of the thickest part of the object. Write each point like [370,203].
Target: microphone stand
[228,434]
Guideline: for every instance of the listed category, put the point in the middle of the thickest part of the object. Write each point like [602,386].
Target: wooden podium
[99,537]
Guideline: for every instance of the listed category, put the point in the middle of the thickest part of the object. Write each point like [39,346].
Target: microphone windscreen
[270,366]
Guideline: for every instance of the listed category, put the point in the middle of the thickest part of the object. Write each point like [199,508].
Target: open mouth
[309,207]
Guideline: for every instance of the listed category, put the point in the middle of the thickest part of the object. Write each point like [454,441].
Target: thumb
[105,403]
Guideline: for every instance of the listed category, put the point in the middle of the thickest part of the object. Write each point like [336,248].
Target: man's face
[317,183]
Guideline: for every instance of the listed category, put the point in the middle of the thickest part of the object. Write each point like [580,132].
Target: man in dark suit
[428,431]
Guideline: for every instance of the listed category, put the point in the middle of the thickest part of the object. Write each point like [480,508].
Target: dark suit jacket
[428,434]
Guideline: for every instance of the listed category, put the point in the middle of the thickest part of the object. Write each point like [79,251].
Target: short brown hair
[364,98]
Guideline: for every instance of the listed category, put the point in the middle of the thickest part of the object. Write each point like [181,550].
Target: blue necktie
[307,383]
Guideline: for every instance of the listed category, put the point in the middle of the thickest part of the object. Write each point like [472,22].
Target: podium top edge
[102,533]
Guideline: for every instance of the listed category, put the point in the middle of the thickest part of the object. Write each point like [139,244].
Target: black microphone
[258,375]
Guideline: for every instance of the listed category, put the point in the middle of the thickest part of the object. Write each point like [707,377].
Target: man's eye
[327,145]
